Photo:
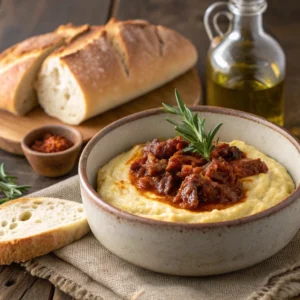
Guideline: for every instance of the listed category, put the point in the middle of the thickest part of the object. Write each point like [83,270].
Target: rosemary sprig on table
[192,129]
[9,187]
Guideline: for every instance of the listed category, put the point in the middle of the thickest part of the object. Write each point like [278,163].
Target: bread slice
[109,66]
[20,63]
[30,227]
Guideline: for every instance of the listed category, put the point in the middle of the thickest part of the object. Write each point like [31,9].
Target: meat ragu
[187,180]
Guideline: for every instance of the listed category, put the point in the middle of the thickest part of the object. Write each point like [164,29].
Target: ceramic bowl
[191,249]
[57,163]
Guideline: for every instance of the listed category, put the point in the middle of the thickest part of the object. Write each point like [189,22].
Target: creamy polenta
[262,191]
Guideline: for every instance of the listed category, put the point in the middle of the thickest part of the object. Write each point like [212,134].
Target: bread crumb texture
[28,217]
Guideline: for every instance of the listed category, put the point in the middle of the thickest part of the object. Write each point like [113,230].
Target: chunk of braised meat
[230,193]
[248,167]
[180,158]
[163,185]
[221,171]
[187,170]
[148,165]
[138,167]
[194,190]
[166,148]
[187,195]
[197,189]
[154,166]
[145,183]
[208,190]
[229,153]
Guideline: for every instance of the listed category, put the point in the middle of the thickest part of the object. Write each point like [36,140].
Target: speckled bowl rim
[156,111]
[73,148]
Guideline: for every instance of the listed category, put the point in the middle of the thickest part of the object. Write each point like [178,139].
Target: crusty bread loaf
[20,63]
[109,66]
[30,227]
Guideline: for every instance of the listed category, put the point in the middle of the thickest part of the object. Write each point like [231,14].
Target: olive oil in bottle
[246,66]
[251,95]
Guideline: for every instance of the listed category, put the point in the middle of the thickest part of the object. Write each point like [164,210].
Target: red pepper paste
[51,143]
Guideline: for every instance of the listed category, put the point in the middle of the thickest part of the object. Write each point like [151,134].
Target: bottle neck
[248,25]
[247,16]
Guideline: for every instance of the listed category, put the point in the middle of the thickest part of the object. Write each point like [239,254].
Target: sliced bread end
[31,227]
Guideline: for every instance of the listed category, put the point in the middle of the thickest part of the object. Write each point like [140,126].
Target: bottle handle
[212,14]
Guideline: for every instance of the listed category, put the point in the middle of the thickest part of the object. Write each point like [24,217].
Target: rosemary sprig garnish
[9,187]
[192,129]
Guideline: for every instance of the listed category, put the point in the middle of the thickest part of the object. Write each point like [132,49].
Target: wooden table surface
[281,20]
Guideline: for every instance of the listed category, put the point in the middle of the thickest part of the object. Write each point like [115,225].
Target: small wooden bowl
[57,163]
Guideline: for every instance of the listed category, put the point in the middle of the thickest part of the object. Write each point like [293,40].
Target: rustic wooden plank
[14,282]
[292,103]
[283,24]
[59,295]
[282,21]
[21,19]
[41,289]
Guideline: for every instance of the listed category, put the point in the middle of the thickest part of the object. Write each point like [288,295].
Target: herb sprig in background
[8,186]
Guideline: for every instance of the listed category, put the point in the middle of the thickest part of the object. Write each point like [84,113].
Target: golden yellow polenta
[263,191]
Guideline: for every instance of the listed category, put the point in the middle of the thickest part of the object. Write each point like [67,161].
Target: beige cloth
[86,270]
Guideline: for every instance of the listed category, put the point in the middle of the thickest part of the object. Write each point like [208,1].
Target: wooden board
[13,128]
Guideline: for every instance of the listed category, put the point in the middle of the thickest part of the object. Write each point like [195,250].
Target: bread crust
[70,32]
[28,47]
[23,249]
[10,80]
[20,63]
[15,64]
[118,62]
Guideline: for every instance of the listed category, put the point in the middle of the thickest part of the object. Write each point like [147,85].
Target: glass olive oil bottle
[245,66]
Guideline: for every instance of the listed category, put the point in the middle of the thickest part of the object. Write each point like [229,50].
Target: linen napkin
[87,270]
